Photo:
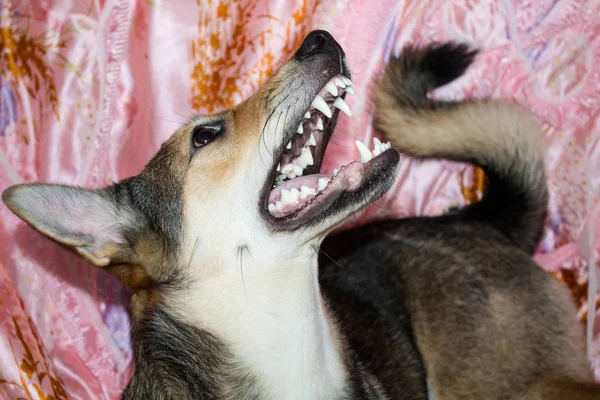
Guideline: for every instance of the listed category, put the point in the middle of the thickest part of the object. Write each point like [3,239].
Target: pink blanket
[89,89]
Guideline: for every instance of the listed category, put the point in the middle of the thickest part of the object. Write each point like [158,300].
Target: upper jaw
[293,194]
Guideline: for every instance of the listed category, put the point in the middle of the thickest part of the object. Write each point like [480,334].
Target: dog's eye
[203,135]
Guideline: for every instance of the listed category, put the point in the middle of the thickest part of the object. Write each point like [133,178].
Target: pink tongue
[311,181]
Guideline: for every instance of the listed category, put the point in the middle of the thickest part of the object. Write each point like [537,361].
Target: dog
[219,239]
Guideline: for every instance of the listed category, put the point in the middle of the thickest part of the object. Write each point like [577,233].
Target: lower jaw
[297,194]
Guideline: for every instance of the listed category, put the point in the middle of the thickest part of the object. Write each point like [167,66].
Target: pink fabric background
[89,90]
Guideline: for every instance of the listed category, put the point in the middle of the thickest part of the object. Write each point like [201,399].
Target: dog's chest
[277,333]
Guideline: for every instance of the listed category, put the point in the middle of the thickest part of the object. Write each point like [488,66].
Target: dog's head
[244,178]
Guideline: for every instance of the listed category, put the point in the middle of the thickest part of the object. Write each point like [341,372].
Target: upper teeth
[305,158]
[292,169]
[331,88]
[334,88]
[340,104]
[319,124]
[340,83]
[322,106]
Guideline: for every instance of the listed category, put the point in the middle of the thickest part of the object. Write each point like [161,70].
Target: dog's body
[230,302]
[488,322]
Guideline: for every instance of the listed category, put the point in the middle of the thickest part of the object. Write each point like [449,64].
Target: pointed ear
[92,222]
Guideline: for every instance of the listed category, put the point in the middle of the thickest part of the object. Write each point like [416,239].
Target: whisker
[185,105]
[241,256]
[331,258]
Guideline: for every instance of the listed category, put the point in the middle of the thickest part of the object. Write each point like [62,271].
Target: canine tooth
[289,145]
[278,167]
[335,172]
[272,208]
[349,90]
[377,147]
[340,104]
[332,89]
[319,124]
[339,82]
[312,141]
[365,153]
[388,145]
[307,115]
[323,183]
[300,129]
[320,105]
[347,81]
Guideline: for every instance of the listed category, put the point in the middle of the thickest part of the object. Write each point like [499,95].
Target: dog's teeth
[312,141]
[347,81]
[306,191]
[286,196]
[323,183]
[305,158]
[319,124]
[340,104]
[272,208]
[335,172]
[339,82]
[300,129]
[349,90]
[332,89]
[307,115]
[365,153]
[322,106]
[292,170]
[387,145]
[289,145]
[295,194]
[377,147]
[278,205]
[278,167]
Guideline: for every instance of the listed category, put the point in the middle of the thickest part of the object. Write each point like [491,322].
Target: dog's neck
[275,323]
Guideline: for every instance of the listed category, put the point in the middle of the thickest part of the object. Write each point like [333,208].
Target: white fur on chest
[274,322]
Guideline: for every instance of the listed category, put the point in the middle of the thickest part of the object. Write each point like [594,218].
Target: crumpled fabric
[89,89]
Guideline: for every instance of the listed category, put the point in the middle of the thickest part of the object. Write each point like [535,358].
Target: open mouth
[298,186]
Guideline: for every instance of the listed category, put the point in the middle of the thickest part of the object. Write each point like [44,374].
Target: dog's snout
[316,42]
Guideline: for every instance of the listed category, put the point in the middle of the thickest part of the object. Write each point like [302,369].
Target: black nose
[316,42]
